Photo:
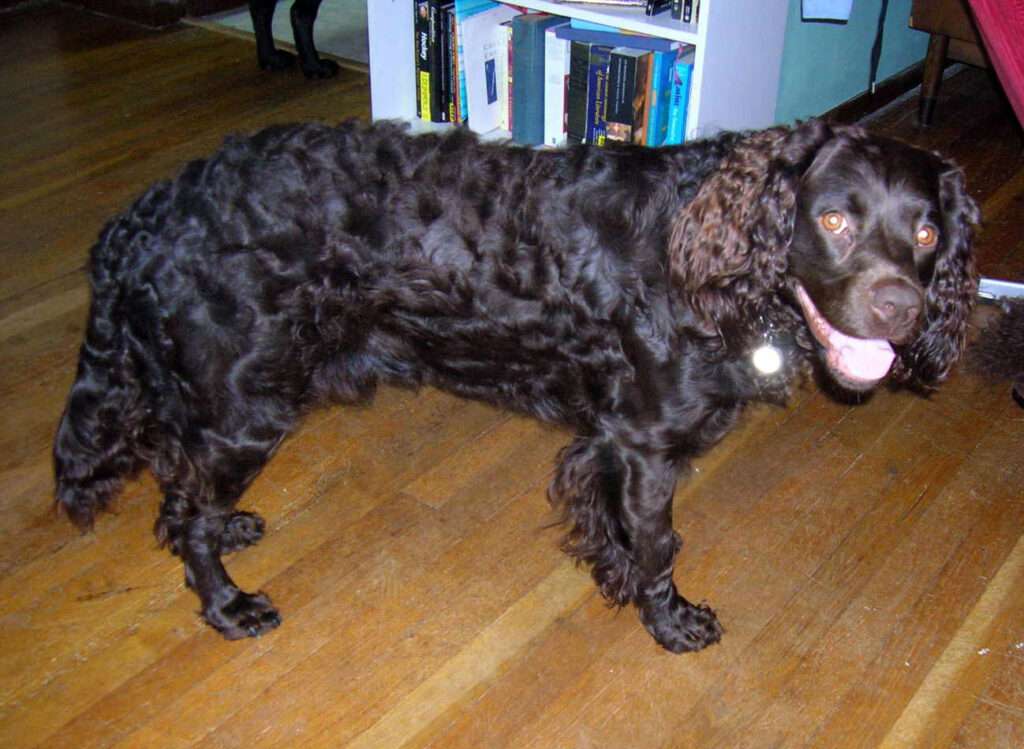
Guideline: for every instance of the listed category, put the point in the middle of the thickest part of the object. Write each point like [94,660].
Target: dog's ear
[728,246]
[951,293]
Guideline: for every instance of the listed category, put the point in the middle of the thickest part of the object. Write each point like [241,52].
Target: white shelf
[630,19]
[736,67]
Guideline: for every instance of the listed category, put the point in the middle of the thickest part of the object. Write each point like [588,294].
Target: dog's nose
[896,306]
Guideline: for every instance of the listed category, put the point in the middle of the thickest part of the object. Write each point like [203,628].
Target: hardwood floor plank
[477,663]
[949,690]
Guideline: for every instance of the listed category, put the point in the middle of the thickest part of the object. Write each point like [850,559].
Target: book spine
[665,96]
[654,7]
[654,99]
[622,68]
[597,94]
[444,38]
[457,115]
[579,76]
[641,105]
[528,42]
[422,34]
[680,102]
[556,84]
[439,69]
[506,81]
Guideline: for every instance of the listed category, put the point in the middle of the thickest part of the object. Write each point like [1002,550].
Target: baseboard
[886,92]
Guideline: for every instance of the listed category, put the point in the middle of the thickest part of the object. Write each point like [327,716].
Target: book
[616,38]
[443,57]
[484,62]
[597,96]
[528,50]
[438,112]
[453,53]
[465,9]
[556,86]
[421,26]
[682,10]
[654,7]
[586,60]
[658,98]
[431,60]
[505,80]
[682,74]
[641,110]
[623,87]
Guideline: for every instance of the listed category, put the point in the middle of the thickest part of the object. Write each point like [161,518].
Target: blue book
[579,23]
[659,98]
[682,74]
[528,76]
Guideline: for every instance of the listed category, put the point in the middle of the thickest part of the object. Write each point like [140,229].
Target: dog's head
[867,238]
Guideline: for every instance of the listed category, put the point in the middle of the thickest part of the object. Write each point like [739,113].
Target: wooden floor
[867,562]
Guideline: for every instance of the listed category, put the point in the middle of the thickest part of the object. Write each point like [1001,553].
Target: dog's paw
[322,69]
[681,627]
[242,529]
[245,615]
[277,59]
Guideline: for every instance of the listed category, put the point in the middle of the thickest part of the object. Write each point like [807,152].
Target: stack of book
[546,79]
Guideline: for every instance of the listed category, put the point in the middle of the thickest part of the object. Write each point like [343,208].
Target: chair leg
[934,63]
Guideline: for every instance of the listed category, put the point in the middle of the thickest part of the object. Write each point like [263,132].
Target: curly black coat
[616,291]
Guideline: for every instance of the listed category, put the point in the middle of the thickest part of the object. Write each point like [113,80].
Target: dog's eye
[927,236]
[834,222]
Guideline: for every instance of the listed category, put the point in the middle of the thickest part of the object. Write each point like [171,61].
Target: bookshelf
[736,68]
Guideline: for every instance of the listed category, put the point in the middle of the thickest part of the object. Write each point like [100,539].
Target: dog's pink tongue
[863,359]
[859,358]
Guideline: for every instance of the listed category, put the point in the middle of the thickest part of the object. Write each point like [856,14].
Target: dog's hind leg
[618,501]
[231,611]
[198,523]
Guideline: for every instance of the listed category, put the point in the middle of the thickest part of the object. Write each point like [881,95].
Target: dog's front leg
[618,500]
[674,622]
[268,55]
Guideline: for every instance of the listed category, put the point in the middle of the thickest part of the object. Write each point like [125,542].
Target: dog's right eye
[834,222]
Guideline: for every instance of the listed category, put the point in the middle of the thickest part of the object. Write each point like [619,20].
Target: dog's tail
[94,448]
[998,353]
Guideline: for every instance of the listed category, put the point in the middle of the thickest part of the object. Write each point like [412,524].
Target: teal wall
[825,64]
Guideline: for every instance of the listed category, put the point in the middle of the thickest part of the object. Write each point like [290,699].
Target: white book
[484,44]
[556,75]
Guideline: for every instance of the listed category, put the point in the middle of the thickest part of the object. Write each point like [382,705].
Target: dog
[303,17]
[640,297]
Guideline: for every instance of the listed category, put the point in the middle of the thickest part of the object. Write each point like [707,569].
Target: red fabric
[1001,23]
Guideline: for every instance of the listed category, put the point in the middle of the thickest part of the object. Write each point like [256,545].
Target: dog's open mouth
[859,361]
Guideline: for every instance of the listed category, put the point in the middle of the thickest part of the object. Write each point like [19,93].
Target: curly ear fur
[951,293]
[728,246]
